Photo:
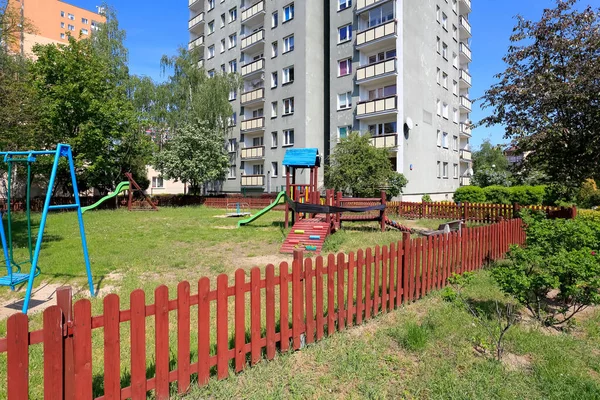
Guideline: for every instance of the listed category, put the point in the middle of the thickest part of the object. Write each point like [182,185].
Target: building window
[345,67]
[438,45]
[288,75]
[233,66]
[344,101]
[274,169]
[222,45]
[455,174]
[445,140]
[455,88]
[233,119]
[211,4]
[345,33]
[258,169]
[84,21]
[445,111]
[71,27]
[439,138]
[232,40]
[445,80]
[437,13]
[445,21]
[62,36]
[231,146]
[445,51]
[274,109]
[343,132]
[439,168]
[438,76]
[211,51]
[288,43]
[273,49]
[231,173]
[157,182]
[382,56]
[382,92]
[288,106]
[274,19]
[232,95]
[454,6]
[387,128]
[84,32]
[211,73]
[62,14]
[438,107]
[445,170]
[257,114]
[62,25]
[288,137]
[211,27]
[455,143]
[232,14]
[455,115]
[288,12]
[273,139]
[222,20]
[344,4]
[71,17]
[380,15]
[455,33]
[273,79]
[223,68]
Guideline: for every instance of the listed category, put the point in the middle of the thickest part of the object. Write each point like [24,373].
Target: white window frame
[348,62]
[287,134]
[438,107]
[348,129]
[344,4]
[232,66]
[232,40]
[445,110]
[445,170]
[210,27]
[439,169]
[71,16]
[288,106]
[274,49]
[454,142]
[348,29]
[274,109]
[344,101]
[274,20]
[288,13]
[286,73]
[445,140]
[211,51]
[274,79]
[455,171]
[288,44]
[274,138]
[274,169]
[158,182]
[439,138]
[232,14]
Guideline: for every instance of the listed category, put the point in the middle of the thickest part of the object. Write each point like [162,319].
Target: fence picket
[270,310]
[376,280]
[137,301]
[368,263]
[82,348]
[222,328]
[330,294]
[17,333]
[392,281]
[405,266]
[341,310]
[183,337]
[319,297]
[112,348]
[53,353]
[359,286]
[161,341]
[255,315]
[385,259]
[203,331]
[308,293]
[284,325]
[240,320]
[350,291]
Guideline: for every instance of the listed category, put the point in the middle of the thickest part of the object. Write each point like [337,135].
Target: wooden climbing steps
[300,236]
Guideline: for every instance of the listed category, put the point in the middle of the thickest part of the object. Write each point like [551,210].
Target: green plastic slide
[120,188]
[265,210]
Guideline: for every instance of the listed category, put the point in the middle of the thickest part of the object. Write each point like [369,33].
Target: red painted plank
[341,310]
[385,259]
[417,268]
[399,271]
[240,320]
[222,328]
[203,331]
[112,348]
[377,281]
[137,340]
[319,296]
[368,264]
[392,281]
[82,348]
[183,337]
[284,307]
[270,310]
[330,294]
[161,341]
[430,252]
[53,353]
[405,266]
[308,293]
[360,262]
[255,312]
[350,290]
[17,334]
[64,299]
[296,305]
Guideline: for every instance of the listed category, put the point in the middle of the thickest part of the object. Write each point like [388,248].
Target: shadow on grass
[20,238]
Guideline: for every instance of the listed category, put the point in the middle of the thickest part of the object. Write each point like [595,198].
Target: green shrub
[591,216]
[527,195]
[426,198]
[471,194]
[497,194]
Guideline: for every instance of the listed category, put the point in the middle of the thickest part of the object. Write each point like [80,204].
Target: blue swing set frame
[15,278]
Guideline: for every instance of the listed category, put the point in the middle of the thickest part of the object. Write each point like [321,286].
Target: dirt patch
[230,227]
[515,362]
[42,297]
[263,261]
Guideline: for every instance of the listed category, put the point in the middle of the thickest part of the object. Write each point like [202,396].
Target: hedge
[523,195]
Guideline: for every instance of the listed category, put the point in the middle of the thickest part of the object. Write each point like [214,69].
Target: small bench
[446,227]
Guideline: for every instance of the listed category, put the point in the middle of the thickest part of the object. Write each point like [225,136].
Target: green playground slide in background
[120,187]
[265,210]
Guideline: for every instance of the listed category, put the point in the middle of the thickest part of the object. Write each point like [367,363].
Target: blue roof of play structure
[301,158]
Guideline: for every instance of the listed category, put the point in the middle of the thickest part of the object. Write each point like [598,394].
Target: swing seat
[17,278]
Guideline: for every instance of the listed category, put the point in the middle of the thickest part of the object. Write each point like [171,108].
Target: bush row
[523,195]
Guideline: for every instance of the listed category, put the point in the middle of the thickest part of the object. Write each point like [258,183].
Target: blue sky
[158,27]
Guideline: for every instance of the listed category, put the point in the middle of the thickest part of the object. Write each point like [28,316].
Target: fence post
[297,299]
[405,265]
[465,206]
[64,299]
[516,209]
[338,203]
[382,212]
[573,212]
[422,210]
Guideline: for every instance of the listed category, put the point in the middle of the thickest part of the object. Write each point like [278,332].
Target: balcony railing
[465,6]
[196,43]
[253,180]
[195,4]
[253,10]
[465,129]
[255,152]
[254,38]
[465,50]
[381,68]
[377,106]
[466,155]
[465,26]
[254,95]
[360,4]
[465,181]
[196,20]
[466,103]
[376,33]
[252,67]
[384,141]
[465,77]
[253,124]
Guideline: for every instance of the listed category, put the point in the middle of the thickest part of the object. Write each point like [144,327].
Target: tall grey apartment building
[314,70]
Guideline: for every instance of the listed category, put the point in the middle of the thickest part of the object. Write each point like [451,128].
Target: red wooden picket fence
[326,295]
[475,212]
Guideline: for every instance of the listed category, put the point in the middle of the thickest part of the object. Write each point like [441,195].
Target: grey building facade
[315,70]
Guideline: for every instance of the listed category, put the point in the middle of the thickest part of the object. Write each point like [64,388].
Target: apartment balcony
[377,37]
[465,6]
[465,155]
[254,13]
[465,53]
[465,27]
[254,96]
[196,5]
[201,63]
[388,141]
[465,78]
[253,180]
[254,39]
[253,153]
[195,24]
[465,129]
[253,68]
[465,181]
[375,71]
[196,43]
[465,104]
[364,5]
[253,124]
[372,108]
